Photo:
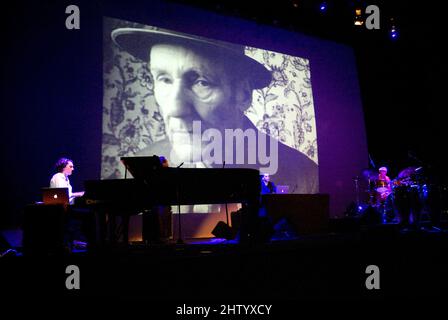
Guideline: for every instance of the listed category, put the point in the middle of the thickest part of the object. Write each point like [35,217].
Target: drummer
[383,183]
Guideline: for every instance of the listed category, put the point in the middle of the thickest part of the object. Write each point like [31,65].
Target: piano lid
[170,186]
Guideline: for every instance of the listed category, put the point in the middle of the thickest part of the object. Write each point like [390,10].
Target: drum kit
[387,196]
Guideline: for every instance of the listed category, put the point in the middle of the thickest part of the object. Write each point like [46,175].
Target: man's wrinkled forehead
[163,57]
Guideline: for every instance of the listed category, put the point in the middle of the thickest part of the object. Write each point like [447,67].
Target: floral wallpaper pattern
[131,119]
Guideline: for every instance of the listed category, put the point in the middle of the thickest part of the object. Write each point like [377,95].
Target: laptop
[283,189]
[55,195]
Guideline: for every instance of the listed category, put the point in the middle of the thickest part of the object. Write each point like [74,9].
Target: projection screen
[205,103]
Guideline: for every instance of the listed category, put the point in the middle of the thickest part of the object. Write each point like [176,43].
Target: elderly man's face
[189,87]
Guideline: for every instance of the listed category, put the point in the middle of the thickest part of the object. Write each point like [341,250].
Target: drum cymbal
[407,172]
[370,174]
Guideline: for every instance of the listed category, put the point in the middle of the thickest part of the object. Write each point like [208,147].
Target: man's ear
[243,95]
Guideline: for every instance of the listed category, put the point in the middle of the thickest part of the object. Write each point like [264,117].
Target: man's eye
[203,88]
[164,79]
[202,83]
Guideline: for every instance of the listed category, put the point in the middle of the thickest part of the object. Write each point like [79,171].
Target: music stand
[145,168]
[141,168]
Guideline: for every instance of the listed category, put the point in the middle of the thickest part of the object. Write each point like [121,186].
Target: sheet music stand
[141,168]
[145,168]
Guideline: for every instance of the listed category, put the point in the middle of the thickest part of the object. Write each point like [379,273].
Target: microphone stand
[355,179]
[179,239]
[227,212]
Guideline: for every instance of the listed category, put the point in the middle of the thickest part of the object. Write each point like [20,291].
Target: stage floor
[411,265]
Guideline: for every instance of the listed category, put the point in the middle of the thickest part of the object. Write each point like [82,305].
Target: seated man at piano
[79,224]
[64,168]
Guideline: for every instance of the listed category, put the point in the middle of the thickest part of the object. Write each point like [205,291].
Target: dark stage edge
[305,273]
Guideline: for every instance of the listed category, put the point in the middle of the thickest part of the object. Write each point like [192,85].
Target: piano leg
[106,228]
[157,224]
[150,226]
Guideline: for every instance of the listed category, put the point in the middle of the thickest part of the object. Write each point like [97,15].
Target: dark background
[47,67]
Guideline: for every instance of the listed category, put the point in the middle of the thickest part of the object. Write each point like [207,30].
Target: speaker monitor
[306,213]
[43,229]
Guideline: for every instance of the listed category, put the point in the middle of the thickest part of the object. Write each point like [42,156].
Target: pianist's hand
[78,194]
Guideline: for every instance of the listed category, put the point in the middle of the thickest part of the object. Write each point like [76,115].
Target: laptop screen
[55,196]
[283,189]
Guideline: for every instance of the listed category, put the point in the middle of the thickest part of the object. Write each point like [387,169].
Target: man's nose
[179,103]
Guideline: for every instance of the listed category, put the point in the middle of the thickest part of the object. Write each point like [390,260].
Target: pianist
[64,168]
[78,224]
[202,89]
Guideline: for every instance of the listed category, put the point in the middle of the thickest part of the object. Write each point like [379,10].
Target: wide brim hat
[138,41]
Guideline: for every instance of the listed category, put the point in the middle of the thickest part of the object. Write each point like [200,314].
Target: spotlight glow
[323,6]
[393,33]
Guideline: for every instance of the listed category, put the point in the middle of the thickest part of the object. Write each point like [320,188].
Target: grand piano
[153,185]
